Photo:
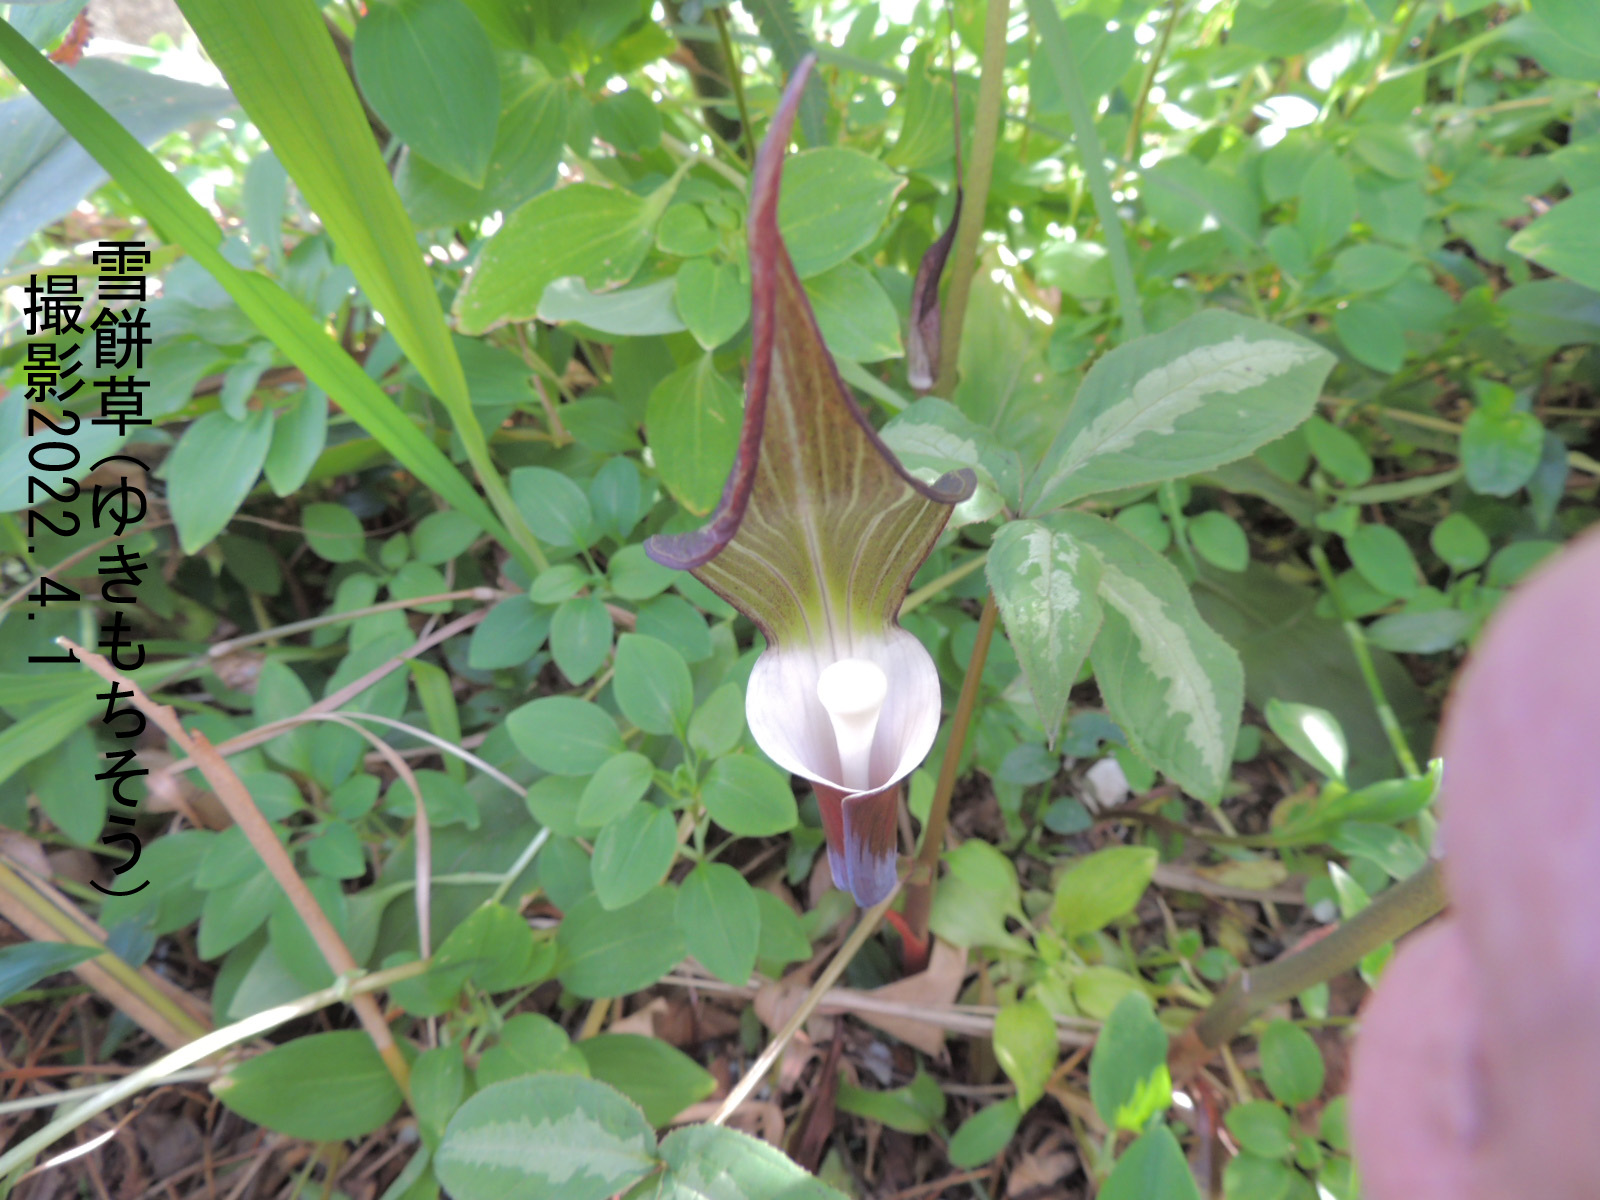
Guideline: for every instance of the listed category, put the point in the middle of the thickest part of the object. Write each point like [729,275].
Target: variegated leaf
[1172,684]
[1201,394]
[705,1162]
[1045,586]
[933,436]
[545,1137]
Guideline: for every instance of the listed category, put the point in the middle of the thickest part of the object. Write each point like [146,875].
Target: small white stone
[1108,786]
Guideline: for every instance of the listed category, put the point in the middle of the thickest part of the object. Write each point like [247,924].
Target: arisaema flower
[817,536]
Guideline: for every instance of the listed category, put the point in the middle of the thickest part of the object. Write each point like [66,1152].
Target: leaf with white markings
[933,436]
[1201,394]
[705,1162]
[1044,586]
[541,1136]
[1172,684]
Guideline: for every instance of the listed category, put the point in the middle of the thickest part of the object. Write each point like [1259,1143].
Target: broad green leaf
[509,636]
[1260,1127]
[709,1162]
[1284,30]
[1025,1045]
[495,943]
[855,314]
[214,465]
[1101,887]
[911,1109]
[1500,450]
[660,1079]
[1384,559]
[1338,452]
[985,1133]
[1128,1078]
[56,781]
[631,312]
[933,436]
[619,951]
[529,1043]
[1291,1063]
[1201,394]
[652,685]
[1371,334]
[1169,681]
[1421,632]
[554,505]
[298,438]
[615,788]
[1153,1166]
[180,218]
[1312,733]
[438,1079]
[545,1137]
[692,423]
[281,63]
[333,533]
[628,121]
[1045,586]
[1459,542]
[1220,540]
[1566,239]
[1247,1177]
[427,68]
[599,234]
[833,202]
[321,1087]
[721,921]
[1327,199]
[748,798]
[522,163]
[711,298]
[633,854]
[580,637]
[1573,20]
[718,724]
[1103,57]
[25,964]
[564,735]
[783,937]
[1369,267]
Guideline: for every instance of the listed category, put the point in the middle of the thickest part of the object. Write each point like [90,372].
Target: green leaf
[529,1043]
[652,685]
[1500,450]
[1153,1166]
[781,29]
[1284,30]
[1045,587]
[660,1079]
[426,67]
[1169,681]
[618,951]
[322,1087]
[509,636]
[748,798]
[910,1109]
[1247,1177]
[1459,542]
[545,1137]
[1369,267]
[599,234]
[438,1080]
[25,964]
[1421,632]
[783,938]
[211,470]
[298,438]
[1202,393]
[333,533]
[495,942]
[833,202]
[619,784]
[1371,334]
[630,312]
[1025,1045]
[709,1162]
[1384,560]
[1312,733]
[564,735]
[1338,452]
[633,854]
[1128,1078]
[1260,1127]
[1573,20]
[1220,540]
[580,637]
[628,121]
[721,921]
[1327,199]
[711,298]
[180,218]
[855,314]
[1291,1064]
[522,163]
[718,725]
[692,423]
[554,505]
[1101,887]
[1566,239]
[985,1134]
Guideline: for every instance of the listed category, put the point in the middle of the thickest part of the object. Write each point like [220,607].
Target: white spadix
[852,691]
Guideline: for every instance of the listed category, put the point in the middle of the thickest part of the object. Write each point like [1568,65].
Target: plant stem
[202,1048]
[736,78]
[485,594]
[1053,40]
[953,576]
[980,170]
[1369,670]
[920,882]
[1131,153]
[1391,914]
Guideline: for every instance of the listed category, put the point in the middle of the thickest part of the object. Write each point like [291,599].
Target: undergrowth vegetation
[1266,346]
